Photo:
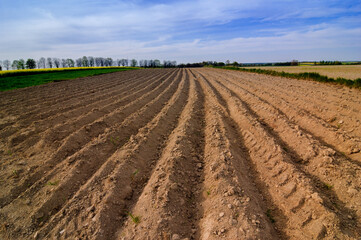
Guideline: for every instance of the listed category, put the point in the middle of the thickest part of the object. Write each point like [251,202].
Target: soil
[333,71]
[180,154]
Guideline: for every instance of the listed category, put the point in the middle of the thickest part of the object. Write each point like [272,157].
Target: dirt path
[180,154]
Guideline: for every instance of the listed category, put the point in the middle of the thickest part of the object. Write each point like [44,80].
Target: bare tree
[41,63]
[78,62]
[70,62]
[6,64]
[166,63]
[14,65]
[91,61]
[133,63]
[63,63]
[56,62]
[85,62]
[157,63]
[99,62]
[123,62]
[169,64]
[49,62]
[108,62]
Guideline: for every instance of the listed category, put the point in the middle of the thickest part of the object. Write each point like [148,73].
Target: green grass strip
[306,75]
[21,79]
[25,72]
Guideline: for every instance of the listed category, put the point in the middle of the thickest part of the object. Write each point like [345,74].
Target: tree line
[81,62]
[328,63]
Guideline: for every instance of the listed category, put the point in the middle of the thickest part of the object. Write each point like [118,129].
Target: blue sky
[185,31]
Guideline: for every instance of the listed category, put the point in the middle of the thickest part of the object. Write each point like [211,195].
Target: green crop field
[26,78]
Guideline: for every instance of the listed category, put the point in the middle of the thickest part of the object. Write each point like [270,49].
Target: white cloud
[237,49]
[132,29]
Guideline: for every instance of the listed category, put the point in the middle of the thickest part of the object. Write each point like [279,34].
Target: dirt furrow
[320,97]
[168,205]
[95,94]
[347,143]
[337,126]
[291,190]
[16,119]
[35,98]
[82,165]
[78,117]
[233,206]
[331,172]
[51,110]
[180,154]
[89,133]
[35,95]
[77,140]
[101,204]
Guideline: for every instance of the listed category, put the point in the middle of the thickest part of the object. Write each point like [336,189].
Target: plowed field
[334,71]
[180,154]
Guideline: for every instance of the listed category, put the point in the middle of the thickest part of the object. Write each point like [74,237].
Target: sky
[184,30]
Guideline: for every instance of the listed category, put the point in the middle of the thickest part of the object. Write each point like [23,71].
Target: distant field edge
[305,75]
[27,78]
[25,72]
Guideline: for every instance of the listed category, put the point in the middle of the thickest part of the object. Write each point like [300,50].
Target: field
[180,154]
[26,78]
[344,71]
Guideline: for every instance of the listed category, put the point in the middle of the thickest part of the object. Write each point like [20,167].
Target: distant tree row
[211,63]
[65,63]
[108,62]
[81,62]
[190,65]
[279,64]
[157,63]
[236,64]
[328,63]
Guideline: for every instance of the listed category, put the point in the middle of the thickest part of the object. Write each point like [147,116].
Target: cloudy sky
[185,31]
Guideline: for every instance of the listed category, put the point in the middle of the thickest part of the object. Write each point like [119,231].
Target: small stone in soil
[175,237]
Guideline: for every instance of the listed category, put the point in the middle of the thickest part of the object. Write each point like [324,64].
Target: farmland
[26,78]
[333,71]
[183,154]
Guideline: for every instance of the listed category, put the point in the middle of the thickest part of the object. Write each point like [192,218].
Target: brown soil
[334,71]
[180,154]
